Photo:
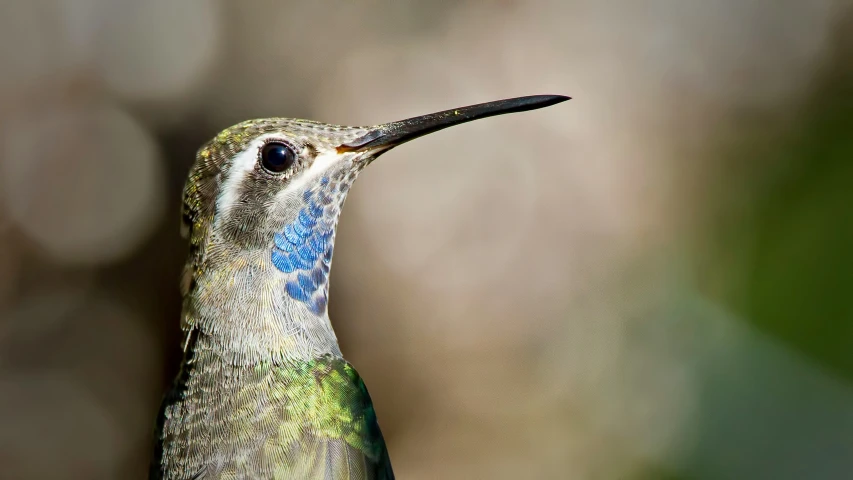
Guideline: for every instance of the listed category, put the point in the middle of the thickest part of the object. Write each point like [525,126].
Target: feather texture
[309,419]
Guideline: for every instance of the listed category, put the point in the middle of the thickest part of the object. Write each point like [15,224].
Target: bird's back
[305,419]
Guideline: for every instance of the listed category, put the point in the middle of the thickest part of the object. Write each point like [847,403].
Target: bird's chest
[251,422]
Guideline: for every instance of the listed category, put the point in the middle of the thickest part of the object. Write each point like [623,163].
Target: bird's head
[261,207]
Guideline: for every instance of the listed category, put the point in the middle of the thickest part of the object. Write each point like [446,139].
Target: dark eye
[277,157]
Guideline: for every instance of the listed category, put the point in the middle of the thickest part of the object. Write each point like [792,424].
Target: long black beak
[392,134]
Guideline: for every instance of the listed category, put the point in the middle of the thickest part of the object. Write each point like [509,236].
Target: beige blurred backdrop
[650,281]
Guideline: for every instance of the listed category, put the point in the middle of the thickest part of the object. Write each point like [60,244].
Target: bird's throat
[243,308]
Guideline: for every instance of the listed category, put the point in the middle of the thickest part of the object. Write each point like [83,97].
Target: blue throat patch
[304,248]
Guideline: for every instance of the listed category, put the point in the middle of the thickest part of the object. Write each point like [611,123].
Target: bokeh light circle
[84,182]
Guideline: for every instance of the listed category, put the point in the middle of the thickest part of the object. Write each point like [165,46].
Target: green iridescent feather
[306,419]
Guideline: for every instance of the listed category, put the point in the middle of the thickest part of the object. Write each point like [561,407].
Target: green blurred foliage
[781,255]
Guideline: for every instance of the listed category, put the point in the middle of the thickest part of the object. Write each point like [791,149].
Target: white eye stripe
[229,190]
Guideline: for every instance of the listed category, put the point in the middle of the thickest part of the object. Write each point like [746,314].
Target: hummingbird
[263,391]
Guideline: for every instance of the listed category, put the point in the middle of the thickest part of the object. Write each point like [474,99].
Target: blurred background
[651,281]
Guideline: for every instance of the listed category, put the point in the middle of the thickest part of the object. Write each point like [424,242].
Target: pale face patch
[229,191]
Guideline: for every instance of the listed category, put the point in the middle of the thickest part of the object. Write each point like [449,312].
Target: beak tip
[540,101]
